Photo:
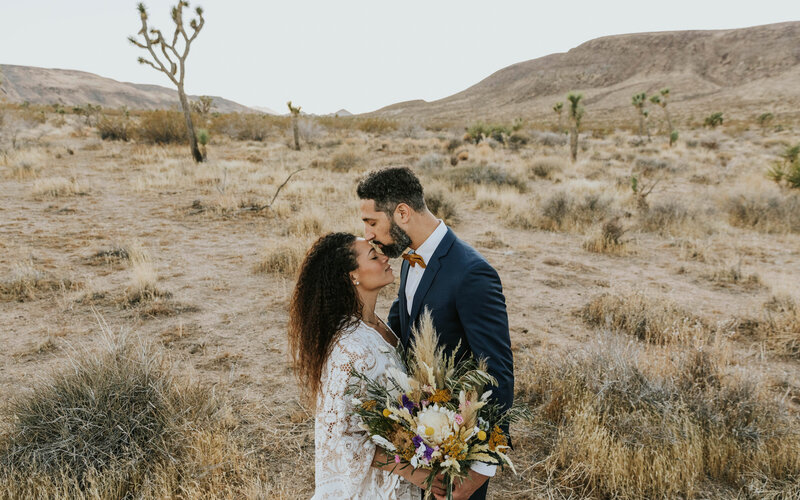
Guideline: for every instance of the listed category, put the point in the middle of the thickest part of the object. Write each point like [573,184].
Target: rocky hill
[748,68]
[76,88]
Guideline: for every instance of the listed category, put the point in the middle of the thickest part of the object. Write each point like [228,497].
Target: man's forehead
[368,207]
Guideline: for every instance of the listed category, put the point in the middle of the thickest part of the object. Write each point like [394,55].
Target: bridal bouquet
[438,416]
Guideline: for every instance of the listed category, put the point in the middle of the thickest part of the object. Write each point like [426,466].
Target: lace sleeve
[344,452]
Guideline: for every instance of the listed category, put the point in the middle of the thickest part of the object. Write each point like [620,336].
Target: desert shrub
[162,127]
[765,213]
[143,287]
[480,131]
[564,210]
[611,423]
[713,120]
[442,205]
[23,164]
[345,160]
[376,125]
[431,162]
[310,131]
[550,139]
[650,165]
[725,276]
[788,169]
[26,282]
[454,144]
[517,140]
[664,218]
[114,128]
[490,175]
[116,424]
[249,126]
[651,320]
[545,167]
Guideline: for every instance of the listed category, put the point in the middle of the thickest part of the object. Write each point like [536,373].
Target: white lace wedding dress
[343,451]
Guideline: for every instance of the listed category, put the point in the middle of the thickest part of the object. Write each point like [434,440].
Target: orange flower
[497,439]
[454,448]
[440,396]
[369,405]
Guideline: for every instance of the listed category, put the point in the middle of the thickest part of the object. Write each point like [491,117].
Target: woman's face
[373,271]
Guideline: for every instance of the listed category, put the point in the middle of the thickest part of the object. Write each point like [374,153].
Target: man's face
[382,231]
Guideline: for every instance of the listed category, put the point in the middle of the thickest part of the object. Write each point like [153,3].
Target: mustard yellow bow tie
[414,259]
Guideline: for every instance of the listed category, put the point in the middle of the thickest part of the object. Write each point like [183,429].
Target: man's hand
[465,489]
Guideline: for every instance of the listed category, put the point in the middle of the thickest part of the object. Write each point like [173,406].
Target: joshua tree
[662,100]
[203,105]
[174,58]
[559,108]
[575,116]
[638,101]
[295,111]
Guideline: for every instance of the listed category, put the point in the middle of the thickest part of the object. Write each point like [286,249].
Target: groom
[446,275]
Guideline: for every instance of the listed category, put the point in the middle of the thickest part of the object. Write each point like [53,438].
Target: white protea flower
[435,424]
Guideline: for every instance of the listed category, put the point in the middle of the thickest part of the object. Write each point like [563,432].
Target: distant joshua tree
[559,108]
[662,100]
[295,111]
[174,58]
[639,100]
[575,117]
[202,106]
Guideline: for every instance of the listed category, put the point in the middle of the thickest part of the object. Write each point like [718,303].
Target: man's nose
[368,235]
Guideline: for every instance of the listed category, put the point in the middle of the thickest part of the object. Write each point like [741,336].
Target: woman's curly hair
[324,304]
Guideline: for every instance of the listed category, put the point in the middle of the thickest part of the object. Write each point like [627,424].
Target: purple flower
[408,404]
[417,441]
[428,452]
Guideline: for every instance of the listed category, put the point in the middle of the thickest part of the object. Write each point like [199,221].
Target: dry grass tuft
[55,187]
[546,167]
[765,213]
[778,329]
[608,240]
[121,424]
[282,258]
[726,276]
[346,160]
[26,282]
[611,423]
[654,321]
[23,165]
[144,279]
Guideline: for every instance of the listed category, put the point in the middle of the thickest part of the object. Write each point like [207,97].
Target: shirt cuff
[484,468]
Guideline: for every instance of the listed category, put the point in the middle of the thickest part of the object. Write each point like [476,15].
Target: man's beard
[401,241]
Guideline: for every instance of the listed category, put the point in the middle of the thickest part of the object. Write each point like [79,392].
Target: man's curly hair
[324,304]
[391,186]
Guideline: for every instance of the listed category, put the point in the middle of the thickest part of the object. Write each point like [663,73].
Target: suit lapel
[430,273]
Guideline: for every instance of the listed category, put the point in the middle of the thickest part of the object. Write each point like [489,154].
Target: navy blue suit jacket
[465,297]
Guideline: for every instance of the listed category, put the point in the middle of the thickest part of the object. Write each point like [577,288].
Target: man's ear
[403,213]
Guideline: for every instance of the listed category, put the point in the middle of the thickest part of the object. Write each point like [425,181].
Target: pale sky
[358,55]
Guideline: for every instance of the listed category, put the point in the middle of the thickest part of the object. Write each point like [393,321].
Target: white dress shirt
[413,278]
[426,252]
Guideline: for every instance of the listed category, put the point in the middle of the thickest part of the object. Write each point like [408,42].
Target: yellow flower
[369,404]
[386,412]
[429,431]
[482,435]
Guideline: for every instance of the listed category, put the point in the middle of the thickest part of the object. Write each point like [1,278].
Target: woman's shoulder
[354,340]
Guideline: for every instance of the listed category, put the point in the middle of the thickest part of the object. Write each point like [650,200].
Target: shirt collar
[429,245]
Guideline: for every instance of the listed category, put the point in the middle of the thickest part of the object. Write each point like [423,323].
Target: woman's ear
[354,279]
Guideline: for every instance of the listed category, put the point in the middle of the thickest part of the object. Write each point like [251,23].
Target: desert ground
[656,330]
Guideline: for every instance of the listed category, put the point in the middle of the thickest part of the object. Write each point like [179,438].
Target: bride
[333,329]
